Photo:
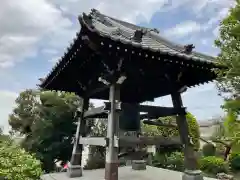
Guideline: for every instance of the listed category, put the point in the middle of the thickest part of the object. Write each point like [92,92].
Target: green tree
[4,137]
[232,125]
[226,134]
[169,132]
[96,157]
[46,119]
[229,44]
[17,164]
[24,114]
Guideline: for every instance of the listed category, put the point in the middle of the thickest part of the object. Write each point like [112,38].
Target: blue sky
[34,34]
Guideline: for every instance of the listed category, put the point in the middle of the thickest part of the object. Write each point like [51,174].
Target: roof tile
[123,31]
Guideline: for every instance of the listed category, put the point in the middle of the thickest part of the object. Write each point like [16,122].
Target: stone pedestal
[74,171]
[192,175]
[139,165]
[128,162]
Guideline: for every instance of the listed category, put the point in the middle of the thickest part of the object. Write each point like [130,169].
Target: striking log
[163,111]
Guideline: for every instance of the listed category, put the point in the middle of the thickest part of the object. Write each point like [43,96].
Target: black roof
[123,31]
[148,59]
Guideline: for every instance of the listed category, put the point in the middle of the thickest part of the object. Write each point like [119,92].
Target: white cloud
[216,31]
[54,60]
[23,24]
[182,29]
[215,20]
[27,25]
[204,41]
[203,108]
[7,103]
[49,51]
[124,9]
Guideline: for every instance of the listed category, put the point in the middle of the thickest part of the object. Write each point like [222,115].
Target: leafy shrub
[96,158]
[209,150]
[194,131]
[234,160]
[95,163]
[176,161]
[160,160]
[17,164]
[193,127]
[213,165]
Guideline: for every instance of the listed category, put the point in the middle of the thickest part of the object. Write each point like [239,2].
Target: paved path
[125,173]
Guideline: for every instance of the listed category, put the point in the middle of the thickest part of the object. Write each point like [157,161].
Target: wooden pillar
[75,165]
[111,166]
[190,161]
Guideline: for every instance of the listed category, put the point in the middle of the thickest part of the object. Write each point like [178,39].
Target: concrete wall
[206,132]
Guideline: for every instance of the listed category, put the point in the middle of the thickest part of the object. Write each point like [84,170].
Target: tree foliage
[226,134]
[229,44]
[231,123]
[96,157]
[46,119]
[17,164]
[169,132]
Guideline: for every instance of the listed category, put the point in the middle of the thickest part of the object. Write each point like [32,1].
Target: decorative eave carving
[138,34]
[188,48]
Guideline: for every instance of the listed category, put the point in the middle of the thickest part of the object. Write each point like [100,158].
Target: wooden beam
[96,112]
[101,112]
[159,123]
[133,155]
[153,111]
[190,159]
[92,91]
[153,115]
[143,141]
[96,141]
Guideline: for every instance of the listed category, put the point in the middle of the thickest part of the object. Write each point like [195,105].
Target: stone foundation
[124,173]
[74,171]
[192,175]
[139,165]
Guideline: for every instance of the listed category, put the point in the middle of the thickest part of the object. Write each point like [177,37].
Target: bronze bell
[129,119]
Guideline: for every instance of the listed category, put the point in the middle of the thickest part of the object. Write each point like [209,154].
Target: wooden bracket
[98,141]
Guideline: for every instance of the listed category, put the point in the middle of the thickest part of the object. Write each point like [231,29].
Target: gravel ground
[125,173]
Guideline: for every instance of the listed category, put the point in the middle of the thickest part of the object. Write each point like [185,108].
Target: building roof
[153,40]
[146,58]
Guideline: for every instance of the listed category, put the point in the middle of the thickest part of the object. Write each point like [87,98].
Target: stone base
[74,171]
[139,165]
[128,162]
[192,175]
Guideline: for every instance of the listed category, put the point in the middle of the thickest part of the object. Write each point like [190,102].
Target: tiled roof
[100,32]
[150,39]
